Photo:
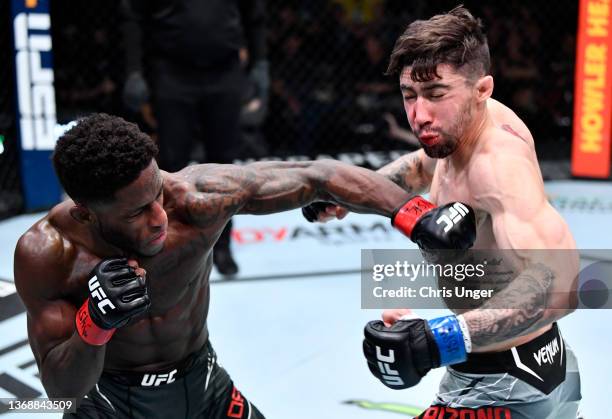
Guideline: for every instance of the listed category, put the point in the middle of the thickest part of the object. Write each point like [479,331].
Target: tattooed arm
[269,187]
[413,171]
[509,187]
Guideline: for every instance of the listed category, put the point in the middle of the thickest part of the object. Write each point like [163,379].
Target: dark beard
[449,142]
[445,148]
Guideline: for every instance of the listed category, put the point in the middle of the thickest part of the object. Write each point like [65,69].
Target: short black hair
[100,155]
[456,38]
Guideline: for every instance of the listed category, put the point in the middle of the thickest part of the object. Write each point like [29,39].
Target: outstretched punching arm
[412,172]
[268,187]
[263,188]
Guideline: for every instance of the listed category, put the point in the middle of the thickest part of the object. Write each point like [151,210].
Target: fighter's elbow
[326,167]
[562,301]
[321,171]
[66,389]
[54,389]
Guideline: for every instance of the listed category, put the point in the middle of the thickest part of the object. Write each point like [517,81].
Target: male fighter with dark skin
[164,225]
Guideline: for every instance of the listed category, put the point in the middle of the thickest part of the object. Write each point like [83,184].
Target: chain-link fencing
[328,93]
[11,200]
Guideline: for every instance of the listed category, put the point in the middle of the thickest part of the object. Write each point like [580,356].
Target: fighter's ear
[81,213]
[484,88]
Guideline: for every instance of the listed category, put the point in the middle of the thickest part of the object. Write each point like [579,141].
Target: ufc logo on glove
[99,294]
[457,212]
[389,375]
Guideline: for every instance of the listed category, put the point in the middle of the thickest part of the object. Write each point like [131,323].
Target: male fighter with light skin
[126,346]
[477,151]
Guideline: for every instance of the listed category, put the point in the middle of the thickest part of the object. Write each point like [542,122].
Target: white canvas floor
[289,328]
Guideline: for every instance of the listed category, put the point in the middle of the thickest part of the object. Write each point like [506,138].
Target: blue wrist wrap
[448,336]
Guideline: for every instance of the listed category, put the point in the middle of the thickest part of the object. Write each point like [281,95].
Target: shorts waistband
[163,376]
[500,362]
[540,362]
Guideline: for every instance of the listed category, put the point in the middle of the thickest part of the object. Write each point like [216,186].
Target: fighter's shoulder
[506,120]
[177,184]
[43,240]
[43,258]
[200,191]
[505,141]
[501,161]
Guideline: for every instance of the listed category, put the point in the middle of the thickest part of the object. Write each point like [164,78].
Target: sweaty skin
[495,171]
[502,182]
[54,258]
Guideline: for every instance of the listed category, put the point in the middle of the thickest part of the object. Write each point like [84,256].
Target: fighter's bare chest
[184,250]
[180,269]
[449,186]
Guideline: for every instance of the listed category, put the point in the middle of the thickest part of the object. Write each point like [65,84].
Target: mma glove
[451,226]
[116,294]
[400,355]
[312,211]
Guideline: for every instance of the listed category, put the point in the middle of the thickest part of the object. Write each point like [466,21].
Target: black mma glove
[116,294]
[312,211]
[451,226]
[402,354]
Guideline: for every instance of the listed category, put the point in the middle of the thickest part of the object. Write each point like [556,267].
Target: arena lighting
[1,144]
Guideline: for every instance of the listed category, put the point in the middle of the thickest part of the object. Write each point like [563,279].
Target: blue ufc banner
[35,113]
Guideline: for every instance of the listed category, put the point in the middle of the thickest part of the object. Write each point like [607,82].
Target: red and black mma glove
[116,294]
[450,226]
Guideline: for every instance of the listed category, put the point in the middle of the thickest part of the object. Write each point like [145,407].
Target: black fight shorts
[196,387]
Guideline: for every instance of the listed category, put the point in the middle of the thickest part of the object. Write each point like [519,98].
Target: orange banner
[593,90]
